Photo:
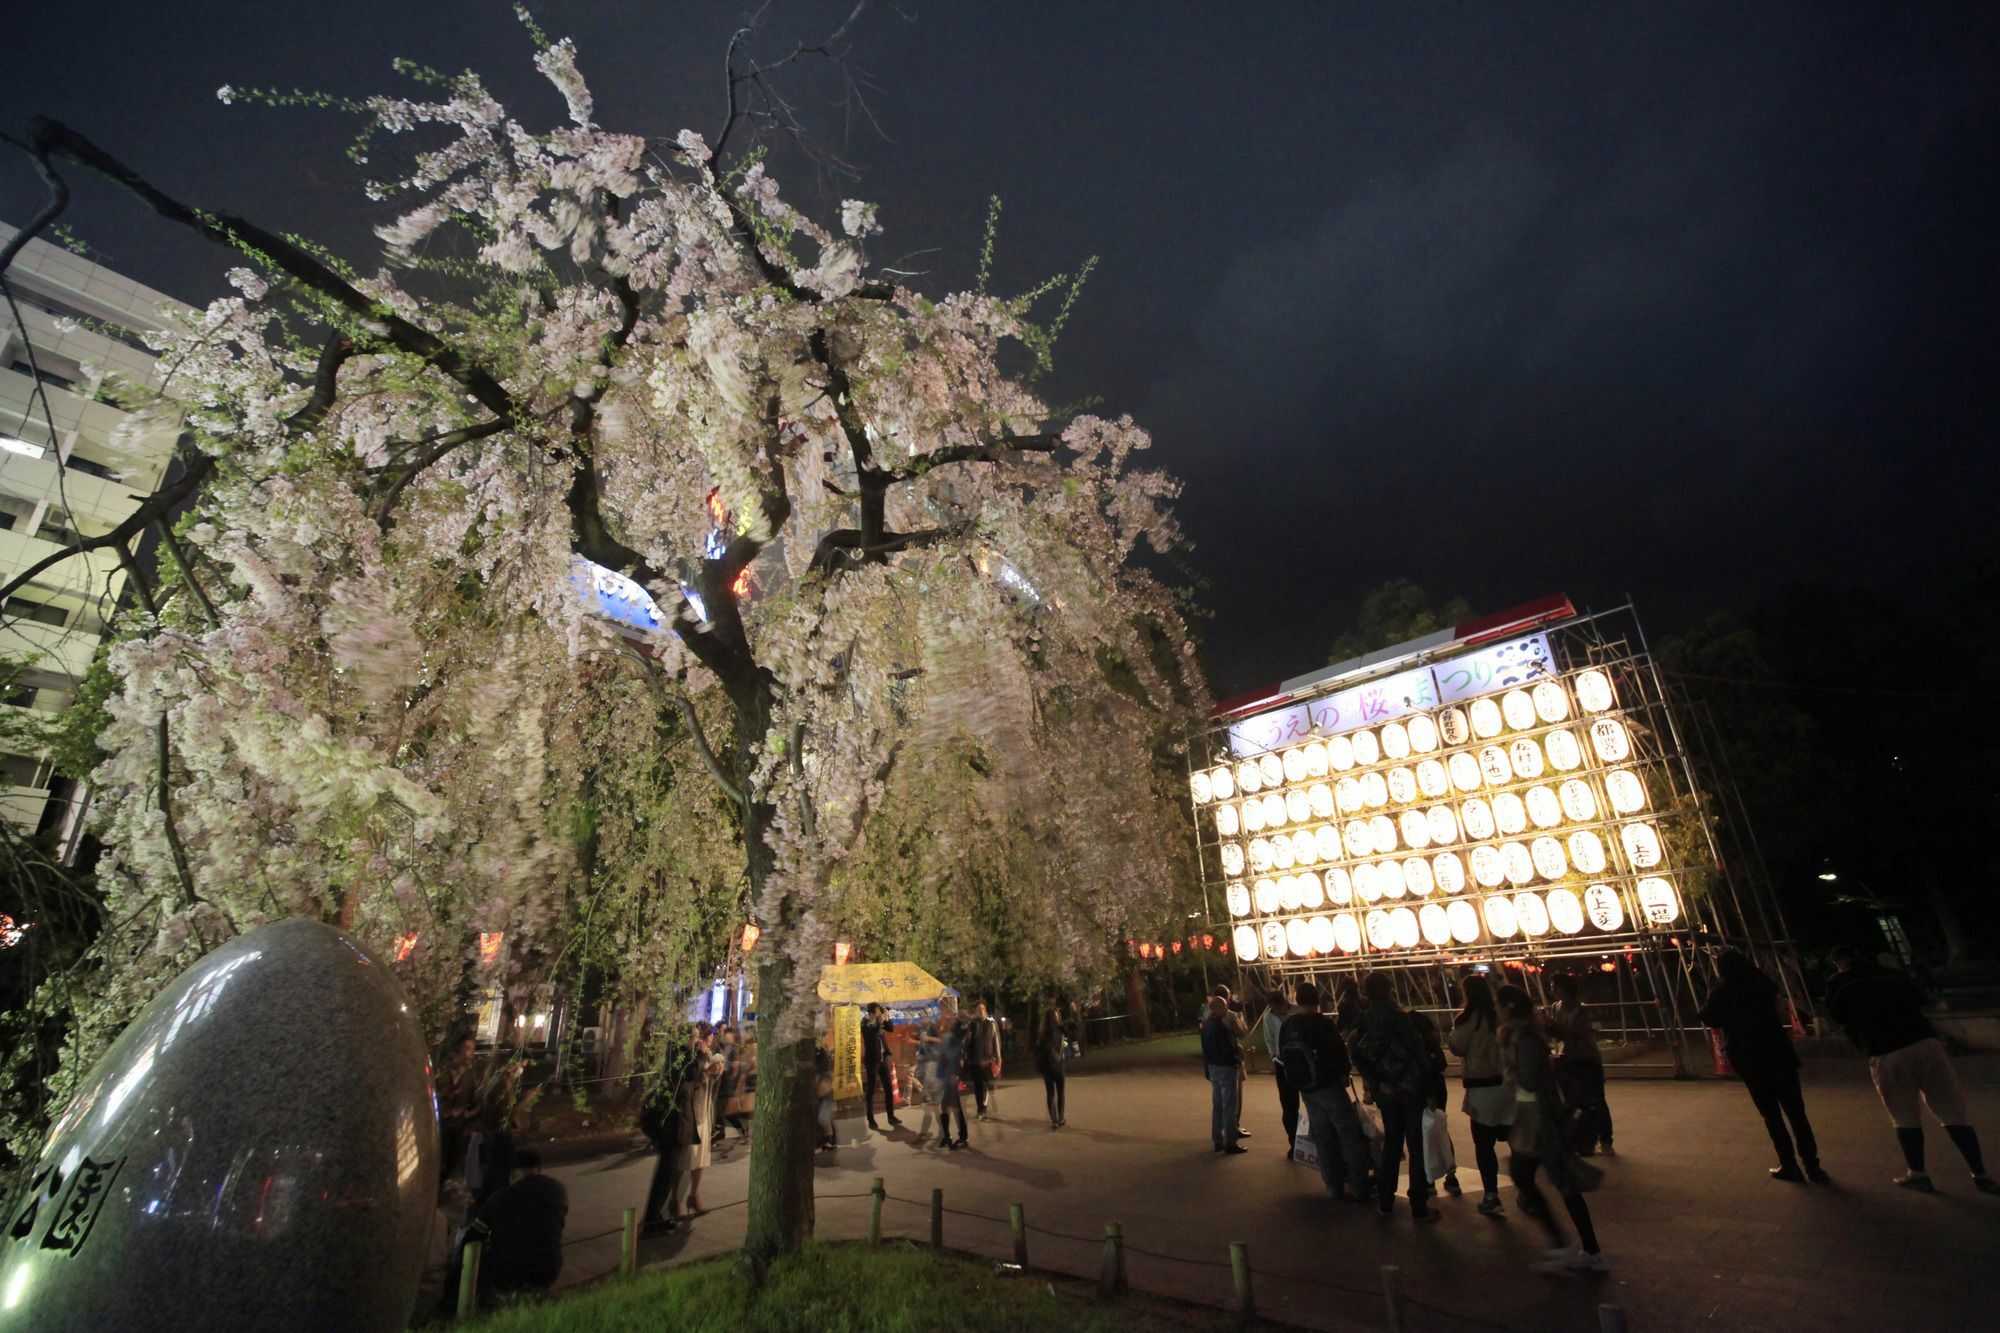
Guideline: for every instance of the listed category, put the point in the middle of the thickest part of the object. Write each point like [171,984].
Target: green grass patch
[840,1288]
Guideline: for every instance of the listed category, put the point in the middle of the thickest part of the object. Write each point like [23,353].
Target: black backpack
[1304,1069]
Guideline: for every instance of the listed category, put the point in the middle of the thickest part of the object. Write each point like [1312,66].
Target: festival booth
[910,997]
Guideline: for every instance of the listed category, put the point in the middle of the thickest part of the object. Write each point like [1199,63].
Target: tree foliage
[1396,612]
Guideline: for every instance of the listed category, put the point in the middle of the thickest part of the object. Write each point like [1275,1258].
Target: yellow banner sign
[884,983]
[847,1051]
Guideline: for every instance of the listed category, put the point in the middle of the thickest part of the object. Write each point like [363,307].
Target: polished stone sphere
[258,1150]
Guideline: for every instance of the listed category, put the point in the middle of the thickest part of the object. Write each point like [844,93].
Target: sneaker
[1490,1206]
[1242,1133]
[872,1125]
[1607,1149]
[1583,1261]
[1452,1187]
[895,1123]
[1916,1180]
[1789,1171]
[961,1142]
[1554,1261]
[1985,1185]
[1426,1216]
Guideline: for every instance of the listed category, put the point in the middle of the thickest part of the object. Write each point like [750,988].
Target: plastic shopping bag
[1439,1158]
[1303,1148]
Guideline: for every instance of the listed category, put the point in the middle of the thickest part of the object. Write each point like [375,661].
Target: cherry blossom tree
[904,624]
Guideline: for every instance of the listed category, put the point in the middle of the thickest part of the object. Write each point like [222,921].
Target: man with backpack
[1315,1062]
[1277,1010]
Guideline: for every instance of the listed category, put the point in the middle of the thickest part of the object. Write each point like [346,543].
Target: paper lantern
[1274,939]
[1246,943]
[1578,805]
[1298,937]
[1367,749]
[1417,877]
[1486,719]
[1608,737]
[1298,808]
[1626,791]
[1340,753]
[1221,783]
[1435,924]
[1314,754]
[1423,733]
[1498,910]
[1396,741]
[1364,883]
[1374,791]
[1293,761]
[1444,824]
[1249,778]
[1201,787]
[1518,865]
[1453,726]
[1448,871]
[1495,767]
[1328,842]
[1544,810]
[1360,842]
[1658,901]
[1565,912]
[1312,894]
[1464,919]
[1642,845]
[1347,795]
[1347,933]
[1389,879]
[1477,817]
[1253,815]
[1403,930]
[1305,847]
[1321,934]
[1488,869]
[1232,859]
[1586,852]
[1464,771]
[1551,703]
[1227,822]
[1432,780]
[1339,888]
[1531,914]
[1239,899]
[1275,813]
[1601,905]
[1319,798]
[1549,860]
[1402,785]
[1273,769]
[1379,934]
[1565,755]
[1289,896]
[1518,707]
[1281,853]
[1265,895]
[1525,755]
[1415,828]
[1510,816]
[1382,833]
[1260,855]
[1593,691]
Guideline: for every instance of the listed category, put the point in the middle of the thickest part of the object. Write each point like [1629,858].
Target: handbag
[1371,1123]
[1440,1159]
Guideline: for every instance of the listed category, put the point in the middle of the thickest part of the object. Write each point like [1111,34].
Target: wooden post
[468,1280]
[1018,1217]
[1239,1263]
[628,1244]
[1111,1281]
[875,1212]
[937,1219]
[1392,1295]
[1611,1319]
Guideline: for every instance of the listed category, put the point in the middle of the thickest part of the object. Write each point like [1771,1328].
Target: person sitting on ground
[522,1227]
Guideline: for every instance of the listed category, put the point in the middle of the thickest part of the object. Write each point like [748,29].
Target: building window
[44,374]
[78,463]
[21,696]
[27,608]
[55,530]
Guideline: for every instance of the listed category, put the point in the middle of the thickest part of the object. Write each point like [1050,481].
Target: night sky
[1688,302]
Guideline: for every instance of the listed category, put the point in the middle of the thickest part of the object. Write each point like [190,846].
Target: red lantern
[1223,947]
[404,945]
[1177,946]
[842,951]
[1208,941]
[752,932]
[489,947]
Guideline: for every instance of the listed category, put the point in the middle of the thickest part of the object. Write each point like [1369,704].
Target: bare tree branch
[151,507]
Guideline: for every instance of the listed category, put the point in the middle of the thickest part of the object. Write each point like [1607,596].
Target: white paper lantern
[1498,909]
[1305,847]
[1578,805]
[1551,702]
[1339,888]
[1525,755]
[1518,864]
[1486,719]
[1489,870]
[1464,771]
[1609,739]
[1417,877]
[1340,754]
[1477,817]
[1221,783]
[1274,939]
[1403,928]
[1601,905]
[1380,935]
[1402,785]
[1246,944]
[1281,853]
[1389,879]
[1266,896]
[1312,894]
[1347,933]
[1642,845]
[1423,733]
[1586,852]
[1275,813]
[1273,769]
[1347,795]
[1549,860]
[1365,887]
[1464,918]
[1328,840]
[1509,814]
[1396,741]
[1532,915]
[1565,912]
[1294,763]
[1626,790]
[1315,758]
[1232,859]
[1321,934]
[1416,829]
[1374,791]
[1518,707]
[1495,767]
[1658,901]
[1435,924]
[1544,810]
[1432,780]
[1319,799]
[1453,727]
[1227,822]
[1290,899]
[1593,691]
[1298,808]
[1253,815]
[1260,855]
[1444,824]
[1249,778]
[1382,833]
[1239,899]
[1360,842]
[1448,871]
[1202,789]
[1367,749]
[1565,755]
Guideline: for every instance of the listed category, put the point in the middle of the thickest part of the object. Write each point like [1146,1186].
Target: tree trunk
[1140,1024]
[781,1155]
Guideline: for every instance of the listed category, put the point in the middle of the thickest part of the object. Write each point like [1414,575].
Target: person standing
[1316,1062]
[522,1227]
[982,1054]
[1049,1064]
[1222,1056]
[1744,1008]
[1239,1028]
[502,1110]
[1536,1141]
[1489,1098]
[1388,1051]
[1882,1011]
[950,1064]
[1580,1066]
[705,1072]
[663,1119]
[875,1031]
[1270,1029]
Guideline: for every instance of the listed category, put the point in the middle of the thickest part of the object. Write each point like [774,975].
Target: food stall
[910,998]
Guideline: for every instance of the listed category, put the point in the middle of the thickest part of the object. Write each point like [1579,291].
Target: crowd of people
[954,1053]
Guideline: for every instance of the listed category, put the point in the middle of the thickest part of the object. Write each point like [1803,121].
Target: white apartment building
[109,460]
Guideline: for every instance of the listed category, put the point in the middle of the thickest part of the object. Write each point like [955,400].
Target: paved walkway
[1697,1236]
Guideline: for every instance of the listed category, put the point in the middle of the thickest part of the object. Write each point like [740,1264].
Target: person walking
[1580,1066]
[1388,1051]
[950,1066]
[1316,1062]
[1049,1064]
[1536,1142]
[1489,1097]
[663,1119]
[1744,1008]
[1440,1158]
[1270,1029]
[1882,1011]
[875,1030]
[982,1055]
[1222,1056]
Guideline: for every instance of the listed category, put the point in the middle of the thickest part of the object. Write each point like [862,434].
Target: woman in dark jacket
[1536,1142]
[1049,1050]
[1744,1006]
